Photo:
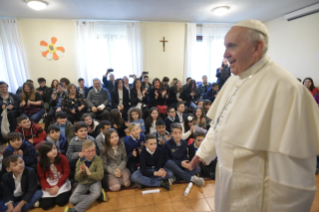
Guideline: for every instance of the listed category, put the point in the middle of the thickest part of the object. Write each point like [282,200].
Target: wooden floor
[200,199]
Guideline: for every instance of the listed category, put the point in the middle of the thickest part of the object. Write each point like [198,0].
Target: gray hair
[96,79]
[254,35]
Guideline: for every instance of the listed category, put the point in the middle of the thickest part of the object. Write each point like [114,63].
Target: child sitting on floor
[135,116]
[55,136]
[114,159]
[89,173]
[100,139]
[152,172]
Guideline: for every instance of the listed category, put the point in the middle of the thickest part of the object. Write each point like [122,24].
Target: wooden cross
[163,41]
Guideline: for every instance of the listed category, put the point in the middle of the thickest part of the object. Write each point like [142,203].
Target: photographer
[109,84]
[223,73]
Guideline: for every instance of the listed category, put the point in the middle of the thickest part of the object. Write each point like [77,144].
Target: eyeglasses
[89,152]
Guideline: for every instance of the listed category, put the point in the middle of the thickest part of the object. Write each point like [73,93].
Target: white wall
[169,63]
[32,32]
[295,45]
[158,63]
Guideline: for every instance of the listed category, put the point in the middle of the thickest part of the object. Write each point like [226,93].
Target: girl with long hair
[150,122]
[114,162]
[31,103]
[308,82]
[118,122]
[53,173]
[120,97]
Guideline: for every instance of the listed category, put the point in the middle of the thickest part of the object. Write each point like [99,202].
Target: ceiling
[155,10]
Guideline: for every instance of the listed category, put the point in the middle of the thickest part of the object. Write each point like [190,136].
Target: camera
[145,72]
[132,75]
[110,70]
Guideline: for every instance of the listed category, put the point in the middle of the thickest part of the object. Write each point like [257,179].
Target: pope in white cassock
[264,131]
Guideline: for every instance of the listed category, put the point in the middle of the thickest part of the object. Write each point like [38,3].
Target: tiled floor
[200,199]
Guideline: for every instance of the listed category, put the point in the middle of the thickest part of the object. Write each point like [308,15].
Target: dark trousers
[60,200]
[180,172]
[12,117]
[102,115]
[49,118]
[75,117]
[209,170]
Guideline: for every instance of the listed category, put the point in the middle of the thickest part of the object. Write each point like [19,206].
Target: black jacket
[46,96]
[159,101]
[115,98]
[108,84]
[172,100]
[29,184]
[186,95]
[148,161]
[135,100]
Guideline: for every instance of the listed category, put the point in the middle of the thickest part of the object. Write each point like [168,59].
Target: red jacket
[63,168]
[35,131]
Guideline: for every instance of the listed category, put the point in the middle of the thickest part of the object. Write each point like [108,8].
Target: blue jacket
[63,144]
[168,123]
[174,152]
[210,94]
[203,89]
[131,144]
[148,161]
[29,154]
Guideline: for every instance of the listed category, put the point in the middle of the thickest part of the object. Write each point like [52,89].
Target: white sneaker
[198,180]
[171,180]
[37,204]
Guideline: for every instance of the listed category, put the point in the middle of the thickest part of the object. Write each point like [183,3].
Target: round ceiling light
[37,4]
[220,10]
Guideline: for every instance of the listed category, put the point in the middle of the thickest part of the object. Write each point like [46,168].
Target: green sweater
[96,169]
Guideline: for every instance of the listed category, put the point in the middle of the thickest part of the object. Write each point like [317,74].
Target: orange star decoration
[52,49]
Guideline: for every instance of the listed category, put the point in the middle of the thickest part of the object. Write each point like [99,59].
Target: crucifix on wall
[163,41]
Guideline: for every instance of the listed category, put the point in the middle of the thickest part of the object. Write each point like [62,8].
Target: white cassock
[264,131]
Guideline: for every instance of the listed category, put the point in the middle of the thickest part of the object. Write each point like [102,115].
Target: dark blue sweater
[168,123]
[174,152]
[29,154]
[147,161]
[131,144]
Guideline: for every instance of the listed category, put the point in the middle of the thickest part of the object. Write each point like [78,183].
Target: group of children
[105,154]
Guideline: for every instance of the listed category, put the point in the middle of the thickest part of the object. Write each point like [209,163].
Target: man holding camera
[223,73]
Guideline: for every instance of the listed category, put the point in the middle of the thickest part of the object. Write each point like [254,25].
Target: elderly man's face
[239,52]
[97,84]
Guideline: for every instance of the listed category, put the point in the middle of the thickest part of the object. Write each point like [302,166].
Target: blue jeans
[180,172]
[153,181]
[36,116]
[192,105]
[36,197]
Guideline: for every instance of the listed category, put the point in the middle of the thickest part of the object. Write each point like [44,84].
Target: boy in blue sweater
[60,141]
[177,160]
[151,172]
[133,146]
[17,146]
[171,118]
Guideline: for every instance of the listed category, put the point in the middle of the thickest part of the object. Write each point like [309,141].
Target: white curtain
[106,45]
[189,57]
[86,36]
[135,47]
[12,67]
[213,51]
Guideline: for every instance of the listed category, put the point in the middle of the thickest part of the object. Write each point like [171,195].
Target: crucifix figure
[163,41]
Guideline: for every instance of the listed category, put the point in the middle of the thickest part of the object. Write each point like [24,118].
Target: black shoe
[212,175]
[165,184]
[140,186]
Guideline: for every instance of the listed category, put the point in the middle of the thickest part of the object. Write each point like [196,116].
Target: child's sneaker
[171,180]
[103,195]
[37,204]
[140,186]
[165,184]
[198,180]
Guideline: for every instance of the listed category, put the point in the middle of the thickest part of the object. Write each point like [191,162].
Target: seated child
[31,132]
[66,127]
[53,173]
[114,159]
[180,112]
[152,172]
[89,173]
[176,153]
[133,145]
[100,139]
[161,134]
[135,116]
[200,103]
[171,118]
[74,151]
[19,186]
[207,170]
[54,135]
[93,125]
[18,146]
